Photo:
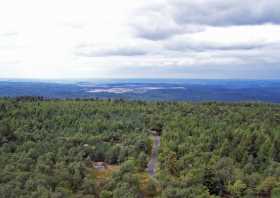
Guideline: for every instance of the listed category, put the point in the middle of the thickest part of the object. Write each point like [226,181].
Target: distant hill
[167,90]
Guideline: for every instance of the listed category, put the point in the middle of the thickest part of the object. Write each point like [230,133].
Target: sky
[204,39]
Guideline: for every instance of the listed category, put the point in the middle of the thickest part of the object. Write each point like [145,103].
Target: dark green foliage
[231,149]
[125,183]
[211,149]
[142,161]
[46,146]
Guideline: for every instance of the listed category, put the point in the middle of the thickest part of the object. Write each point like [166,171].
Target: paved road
[151,169]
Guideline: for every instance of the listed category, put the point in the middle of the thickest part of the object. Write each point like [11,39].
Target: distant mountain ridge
[141,89]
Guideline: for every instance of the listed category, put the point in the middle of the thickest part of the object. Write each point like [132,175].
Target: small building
[100,166]
[155,131]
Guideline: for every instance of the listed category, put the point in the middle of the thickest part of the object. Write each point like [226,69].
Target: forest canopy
[48,148]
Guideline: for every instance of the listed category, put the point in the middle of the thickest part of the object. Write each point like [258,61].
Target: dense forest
[48,149]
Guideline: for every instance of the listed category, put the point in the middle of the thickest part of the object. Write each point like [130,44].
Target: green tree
[238,188]
[151,189]
[142,161]
[171,160]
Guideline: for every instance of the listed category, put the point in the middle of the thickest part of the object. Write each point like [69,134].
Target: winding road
[151,168]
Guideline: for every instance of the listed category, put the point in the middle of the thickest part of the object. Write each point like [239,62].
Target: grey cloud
[154,33]
[226,13]
[155,23]
[174,17]
[95,51]
[190,45]
[151,26]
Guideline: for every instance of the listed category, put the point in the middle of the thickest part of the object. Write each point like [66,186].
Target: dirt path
[151,169]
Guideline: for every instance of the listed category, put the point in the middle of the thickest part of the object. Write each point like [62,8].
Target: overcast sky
[140,39]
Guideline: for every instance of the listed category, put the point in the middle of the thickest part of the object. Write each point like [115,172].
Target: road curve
[151,168]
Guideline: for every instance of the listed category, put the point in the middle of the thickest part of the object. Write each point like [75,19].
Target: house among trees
[100,166]
[156,131]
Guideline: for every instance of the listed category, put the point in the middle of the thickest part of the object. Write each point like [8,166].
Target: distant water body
[151,89]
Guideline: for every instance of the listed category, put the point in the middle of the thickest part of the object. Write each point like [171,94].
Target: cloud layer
[131,38]
[225,13]
[182,16]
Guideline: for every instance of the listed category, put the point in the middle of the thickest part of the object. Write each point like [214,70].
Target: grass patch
[106,173]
